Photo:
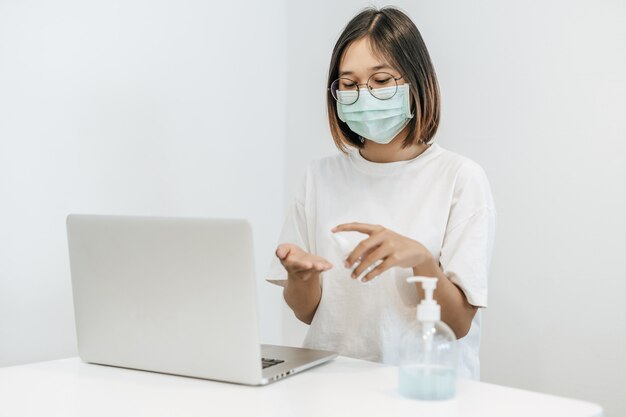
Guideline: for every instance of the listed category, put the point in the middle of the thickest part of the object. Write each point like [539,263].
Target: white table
[343,387]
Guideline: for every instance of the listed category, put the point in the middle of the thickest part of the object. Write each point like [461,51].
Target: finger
[381,252]
[363,248]
[282,251]
[322,262]
[321,266]
[357,227]
[385,265]
[297,262]
[295,266]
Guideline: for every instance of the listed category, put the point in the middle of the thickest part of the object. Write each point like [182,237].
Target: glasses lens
[382,85]
[344,90]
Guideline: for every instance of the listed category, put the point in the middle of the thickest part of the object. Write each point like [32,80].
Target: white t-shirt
[441,199]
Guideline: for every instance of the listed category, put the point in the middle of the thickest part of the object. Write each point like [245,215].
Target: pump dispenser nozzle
[428,309]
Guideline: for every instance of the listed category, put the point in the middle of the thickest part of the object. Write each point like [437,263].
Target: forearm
[456,311]
[303,297]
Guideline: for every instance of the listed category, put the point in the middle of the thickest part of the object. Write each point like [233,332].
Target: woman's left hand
[382,243]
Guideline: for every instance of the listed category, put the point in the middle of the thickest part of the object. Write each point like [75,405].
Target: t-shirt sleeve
[294,230]
[468,241]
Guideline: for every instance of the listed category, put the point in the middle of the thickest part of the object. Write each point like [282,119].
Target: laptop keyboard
[270,362]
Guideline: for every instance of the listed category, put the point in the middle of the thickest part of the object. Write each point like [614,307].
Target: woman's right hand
[300,264]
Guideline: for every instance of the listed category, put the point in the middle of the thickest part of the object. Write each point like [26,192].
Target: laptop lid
[165,294]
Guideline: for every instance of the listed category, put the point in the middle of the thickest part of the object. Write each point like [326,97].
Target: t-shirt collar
[386,168]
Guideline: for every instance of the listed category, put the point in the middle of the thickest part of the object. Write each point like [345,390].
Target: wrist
[427,266]
[298,281]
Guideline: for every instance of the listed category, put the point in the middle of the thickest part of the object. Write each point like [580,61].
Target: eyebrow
[374,68]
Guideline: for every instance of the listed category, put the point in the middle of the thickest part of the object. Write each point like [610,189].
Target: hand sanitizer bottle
[428,352]
[345,248]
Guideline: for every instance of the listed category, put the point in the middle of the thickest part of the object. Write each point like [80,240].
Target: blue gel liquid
[427,383]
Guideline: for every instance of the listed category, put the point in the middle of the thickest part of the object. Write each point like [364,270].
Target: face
[359,64]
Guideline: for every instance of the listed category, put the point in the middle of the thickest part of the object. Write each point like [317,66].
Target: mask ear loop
[408,98]
[361,139]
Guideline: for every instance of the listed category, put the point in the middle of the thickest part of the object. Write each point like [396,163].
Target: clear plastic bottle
[428,352]
[346,248]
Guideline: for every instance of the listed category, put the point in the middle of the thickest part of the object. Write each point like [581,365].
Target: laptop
[173,295]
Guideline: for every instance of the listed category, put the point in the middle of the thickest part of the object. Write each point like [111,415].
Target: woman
[400,198]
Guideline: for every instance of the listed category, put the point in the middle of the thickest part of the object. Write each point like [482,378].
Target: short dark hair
[394,36]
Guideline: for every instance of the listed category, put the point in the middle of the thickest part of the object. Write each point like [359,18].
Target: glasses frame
[367,85]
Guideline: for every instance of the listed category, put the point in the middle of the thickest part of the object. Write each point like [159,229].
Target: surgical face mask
[375,119]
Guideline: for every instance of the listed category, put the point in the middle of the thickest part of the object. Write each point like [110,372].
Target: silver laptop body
[173,295]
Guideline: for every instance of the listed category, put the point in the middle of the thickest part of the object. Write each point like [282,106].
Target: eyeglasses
[381,85]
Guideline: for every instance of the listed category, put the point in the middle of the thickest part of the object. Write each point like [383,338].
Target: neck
[392,151]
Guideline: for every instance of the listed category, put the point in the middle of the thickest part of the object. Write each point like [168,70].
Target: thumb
[282,251]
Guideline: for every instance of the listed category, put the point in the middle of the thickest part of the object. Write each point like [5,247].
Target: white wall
[131,107]
[536,93]
[112,107]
